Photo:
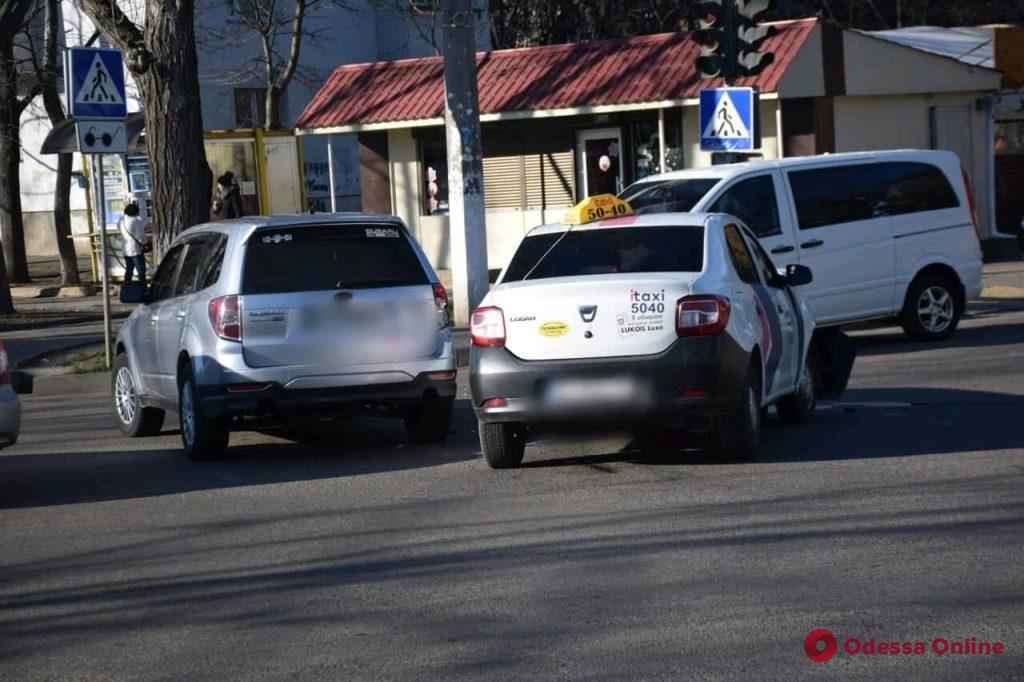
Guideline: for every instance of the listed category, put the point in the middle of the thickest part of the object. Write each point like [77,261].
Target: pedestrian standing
[133,231]
[228,203]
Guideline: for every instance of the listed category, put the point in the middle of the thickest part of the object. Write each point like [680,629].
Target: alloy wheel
[935,309]
[124,396]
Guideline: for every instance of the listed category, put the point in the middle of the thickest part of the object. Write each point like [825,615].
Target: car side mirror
[21,382]
[798,275]
[133,292]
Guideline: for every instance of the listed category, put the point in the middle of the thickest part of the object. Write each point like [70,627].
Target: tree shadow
[899,422]
[348,447]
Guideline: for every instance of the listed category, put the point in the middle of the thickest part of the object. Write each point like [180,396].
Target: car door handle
[783,249]
[181,313]
[811,244]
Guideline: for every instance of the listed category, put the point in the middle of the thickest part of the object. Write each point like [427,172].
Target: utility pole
[466,217]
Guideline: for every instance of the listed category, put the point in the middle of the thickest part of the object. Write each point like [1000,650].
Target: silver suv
[263,321]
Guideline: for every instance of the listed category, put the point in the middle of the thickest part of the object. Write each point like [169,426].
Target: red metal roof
[640,69]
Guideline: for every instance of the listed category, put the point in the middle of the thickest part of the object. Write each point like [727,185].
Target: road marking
[879,403]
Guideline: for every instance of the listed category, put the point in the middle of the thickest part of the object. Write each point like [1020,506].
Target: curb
[36,357]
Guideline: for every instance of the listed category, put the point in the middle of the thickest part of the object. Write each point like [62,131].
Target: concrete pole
[101,226]
[466,217]
[330,172]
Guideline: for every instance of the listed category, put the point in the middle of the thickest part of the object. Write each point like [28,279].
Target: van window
[843,194]
[913,187]
[611,250]
[837,194]
[321,257]
[667,196]
[741,258]
[753,201]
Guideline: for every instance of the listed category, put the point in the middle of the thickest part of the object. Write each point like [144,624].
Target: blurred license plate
[582,392]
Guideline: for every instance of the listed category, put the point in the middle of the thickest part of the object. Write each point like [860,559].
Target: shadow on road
[888,423]
[885,342]
[346,448]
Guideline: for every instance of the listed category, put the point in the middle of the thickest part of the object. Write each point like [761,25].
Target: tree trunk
[271,118]
[181,178]
[69,276]
[162,59]
[12,226]
[6,302]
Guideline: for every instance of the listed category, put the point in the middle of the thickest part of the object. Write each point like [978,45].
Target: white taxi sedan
[666,320]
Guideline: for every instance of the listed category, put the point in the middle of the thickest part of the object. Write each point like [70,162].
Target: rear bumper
[277,401]
[695,377]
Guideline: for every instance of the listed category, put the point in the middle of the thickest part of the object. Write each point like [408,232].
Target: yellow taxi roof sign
[597,207]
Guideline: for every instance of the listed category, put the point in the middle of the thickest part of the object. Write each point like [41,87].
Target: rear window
[608,251]
[667,196]
[320,257]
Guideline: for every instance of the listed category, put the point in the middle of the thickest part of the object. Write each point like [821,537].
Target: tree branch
[114,24]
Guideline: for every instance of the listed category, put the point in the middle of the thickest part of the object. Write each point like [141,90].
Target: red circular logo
[820,645]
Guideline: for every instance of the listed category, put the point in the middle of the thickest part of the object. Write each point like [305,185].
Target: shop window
[644,140]
[1009,137]
[434,180]
[673,139]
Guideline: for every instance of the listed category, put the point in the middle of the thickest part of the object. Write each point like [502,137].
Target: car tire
[798,406]
[503,444]
[431,420]
[740,433]
[202,437]
[133,418]
[932,308]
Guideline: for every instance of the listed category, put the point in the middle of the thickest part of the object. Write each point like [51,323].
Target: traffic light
[707,29]
[749,37]
[730,37]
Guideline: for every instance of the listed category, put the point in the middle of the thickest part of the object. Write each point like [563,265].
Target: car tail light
[487,327]
[970,202]
[5,366]
[494,402]
[441,303]
[226,317]
[701,315]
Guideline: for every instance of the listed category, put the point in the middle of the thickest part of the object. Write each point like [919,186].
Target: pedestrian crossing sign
[728,120]
[96,86]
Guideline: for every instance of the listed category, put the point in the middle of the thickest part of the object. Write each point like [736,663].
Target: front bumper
[275,401]
[695,377]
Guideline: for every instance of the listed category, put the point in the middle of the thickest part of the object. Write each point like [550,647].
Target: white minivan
[886,234]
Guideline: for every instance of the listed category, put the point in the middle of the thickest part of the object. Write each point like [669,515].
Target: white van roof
[730,170]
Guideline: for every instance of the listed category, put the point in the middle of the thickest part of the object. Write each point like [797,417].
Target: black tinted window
[838,194]
[314,258]
[611,250]
[667,196]
[752,201]
[196,256]
[163,281]
[210,272]
[913,187]
[741,259]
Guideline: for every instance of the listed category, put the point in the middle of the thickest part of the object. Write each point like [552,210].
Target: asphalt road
[897,515]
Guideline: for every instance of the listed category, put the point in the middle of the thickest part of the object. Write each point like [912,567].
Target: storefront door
[599,158]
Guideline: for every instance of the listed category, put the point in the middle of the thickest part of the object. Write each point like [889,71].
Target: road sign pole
[101,225]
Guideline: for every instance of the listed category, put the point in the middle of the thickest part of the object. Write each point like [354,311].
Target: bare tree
[12,18]
[160,51]
[46,68]
[12,105]
[281,28]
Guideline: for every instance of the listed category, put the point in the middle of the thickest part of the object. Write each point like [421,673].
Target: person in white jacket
[133,231]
